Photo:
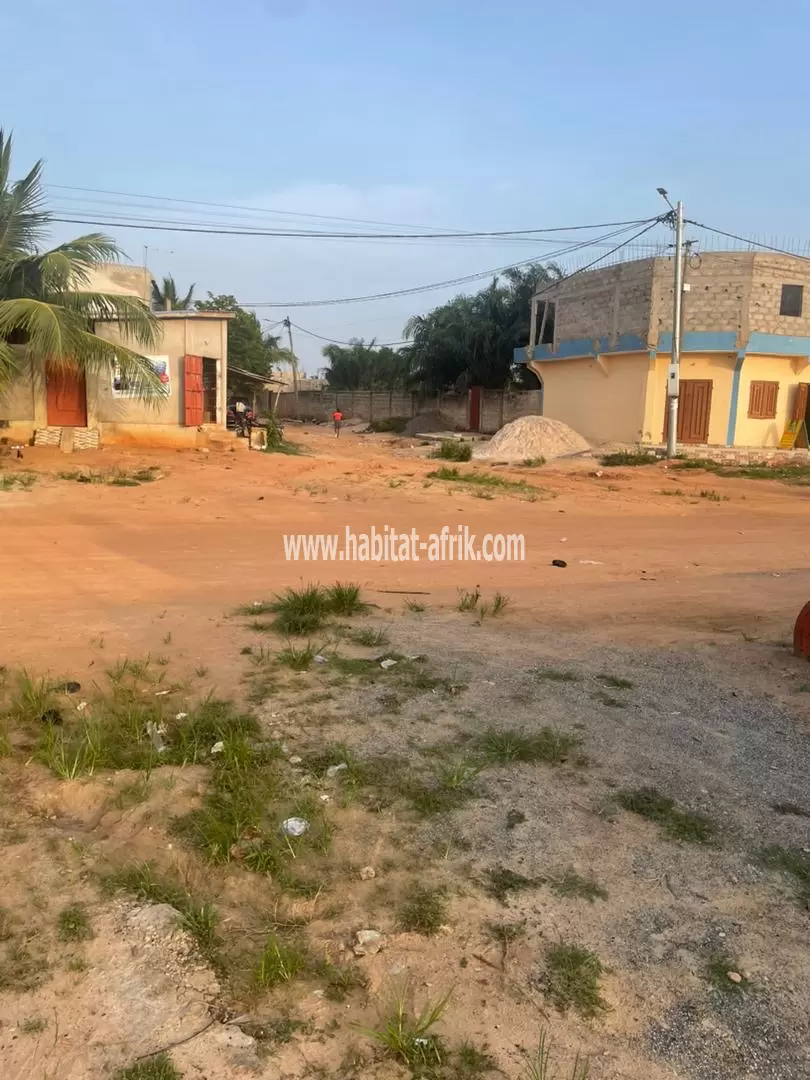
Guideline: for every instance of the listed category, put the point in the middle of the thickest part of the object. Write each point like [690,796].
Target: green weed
[509,746]
[343,598]
[481,479]
[533,462]
[573,980]
[676,823]
[280,962]
[415,606]
[452,450]
[33,1025]
[423,910]
[159,1067]
[297,659]
[555,675]
[341,980]
[23,481]
[718,968]
[572,885]
[468,600]
[796,864]
[408,1037]
[629,457]
[539,1065]
[74,924]
[370,637]
[502,882]
[616,682]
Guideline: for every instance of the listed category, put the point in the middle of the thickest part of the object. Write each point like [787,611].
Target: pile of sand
[531,437]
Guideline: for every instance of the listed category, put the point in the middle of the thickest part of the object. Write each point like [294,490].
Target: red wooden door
[193,390]
[475,408]
[694,411]
[67,398]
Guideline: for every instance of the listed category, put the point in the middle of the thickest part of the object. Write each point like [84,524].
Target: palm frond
[137,322]
[22,216]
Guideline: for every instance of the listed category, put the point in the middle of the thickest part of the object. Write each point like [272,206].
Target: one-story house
[600,345]
[191,359]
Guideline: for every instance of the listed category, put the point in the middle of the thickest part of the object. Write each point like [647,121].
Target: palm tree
[167,299]
[48,311]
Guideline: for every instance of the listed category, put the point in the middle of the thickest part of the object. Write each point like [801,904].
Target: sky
[448,114]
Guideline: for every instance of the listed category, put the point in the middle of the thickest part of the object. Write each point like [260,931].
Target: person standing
[337,420]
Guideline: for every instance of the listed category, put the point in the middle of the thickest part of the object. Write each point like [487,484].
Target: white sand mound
[531,437]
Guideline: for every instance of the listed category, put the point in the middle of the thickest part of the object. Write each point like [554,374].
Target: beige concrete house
[191,358]
[600,345]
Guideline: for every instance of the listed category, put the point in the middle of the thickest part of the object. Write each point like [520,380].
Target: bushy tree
[249,347]
[166,298]
[361,366]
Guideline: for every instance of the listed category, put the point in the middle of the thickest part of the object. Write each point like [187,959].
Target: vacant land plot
[462,820]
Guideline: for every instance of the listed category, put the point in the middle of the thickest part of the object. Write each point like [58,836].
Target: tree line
[468,341]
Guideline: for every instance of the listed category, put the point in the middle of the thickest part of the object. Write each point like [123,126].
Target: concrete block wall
[612,301]
[717,299]
[769,273]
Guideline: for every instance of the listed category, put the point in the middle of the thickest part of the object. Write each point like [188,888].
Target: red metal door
[193,390]
[475,408]
[66,398]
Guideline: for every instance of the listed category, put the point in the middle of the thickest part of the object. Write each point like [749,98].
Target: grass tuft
[159,1067]
[423,910]
[509,746]
[297,659]
[573,980]
[572,885]
[501,882]
[555,675]
[482,479]
[74,925]
[468,599]
[343,598]
[796,864]
[369,637]
[408,1037]
[280,962]
[676,823]
[538,1066]
[453,450]
[616,682]
[629,457]
[718,968]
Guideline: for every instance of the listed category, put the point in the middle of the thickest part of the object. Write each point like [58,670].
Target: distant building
[191,358]
[600,344]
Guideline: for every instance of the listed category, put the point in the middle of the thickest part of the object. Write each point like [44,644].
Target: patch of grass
[452,450]
[515,818]
[297,659]
[628,457]
[679,824]
[201,671]
[555,675]
[197,918]
[299,611]
[395,424]
[509,746]
[713,496]
[415,606]
[341,980]
[159,1067]
[408,1037]
[787,474]
[502,882]
[719,965]
[616,682]
[609,700]
[281,960]
[369,637]
[539,1065]
[21,969]
[533,462]
[504,933]
[790,808]
[573,979]
[670,491]
[32,699]
[468,599]
[423,910]
[486,480]
[21,481]
[116,477]
[74,924]
[33,1025]
[469,1063]
[343,598]
[796,864]
[572,885]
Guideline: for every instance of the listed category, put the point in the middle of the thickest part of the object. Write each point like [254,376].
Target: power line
[451,282]
[337,341]
[155,226]
[745,240]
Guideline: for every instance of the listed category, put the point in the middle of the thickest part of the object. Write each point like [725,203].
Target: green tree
[470,340]
[249,347]
[166,298]
[361,366]
[48,311]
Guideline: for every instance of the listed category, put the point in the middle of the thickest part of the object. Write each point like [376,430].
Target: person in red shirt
[337,420]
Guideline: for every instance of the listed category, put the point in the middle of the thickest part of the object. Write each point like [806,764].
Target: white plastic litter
[386,664]
[181,716]
[294,826]
[333,770]
[81,706]
[320,659]
[218,747]
[155,731]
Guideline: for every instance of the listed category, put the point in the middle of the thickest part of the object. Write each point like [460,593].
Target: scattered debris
[294,826]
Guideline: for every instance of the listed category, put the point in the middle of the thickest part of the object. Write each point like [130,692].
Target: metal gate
[694,411]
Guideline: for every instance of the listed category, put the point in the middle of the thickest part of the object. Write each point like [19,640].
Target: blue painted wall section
[698,341]
[735,397]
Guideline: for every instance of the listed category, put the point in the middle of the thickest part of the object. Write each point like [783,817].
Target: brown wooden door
[694,411]
[193,390]
[67,399]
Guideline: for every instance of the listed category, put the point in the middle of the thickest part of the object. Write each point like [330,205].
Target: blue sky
[452,114]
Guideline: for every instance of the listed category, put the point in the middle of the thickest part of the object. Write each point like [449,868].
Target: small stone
[388,663]
[367,873]
[368,942]
[734,976]
[296,760]
[294,826]
[218,747]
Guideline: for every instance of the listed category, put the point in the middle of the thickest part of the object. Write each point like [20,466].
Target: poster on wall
[123,388]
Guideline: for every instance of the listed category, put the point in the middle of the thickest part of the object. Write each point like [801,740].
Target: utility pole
[294,363]
[673,378]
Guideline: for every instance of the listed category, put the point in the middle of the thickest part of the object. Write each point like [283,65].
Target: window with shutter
[762,400]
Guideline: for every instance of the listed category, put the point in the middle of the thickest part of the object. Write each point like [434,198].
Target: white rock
[319,659]
[734,976]
[333,770]
[368,942]
[218,747]
[386,664]
[367,873]
[295,760]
